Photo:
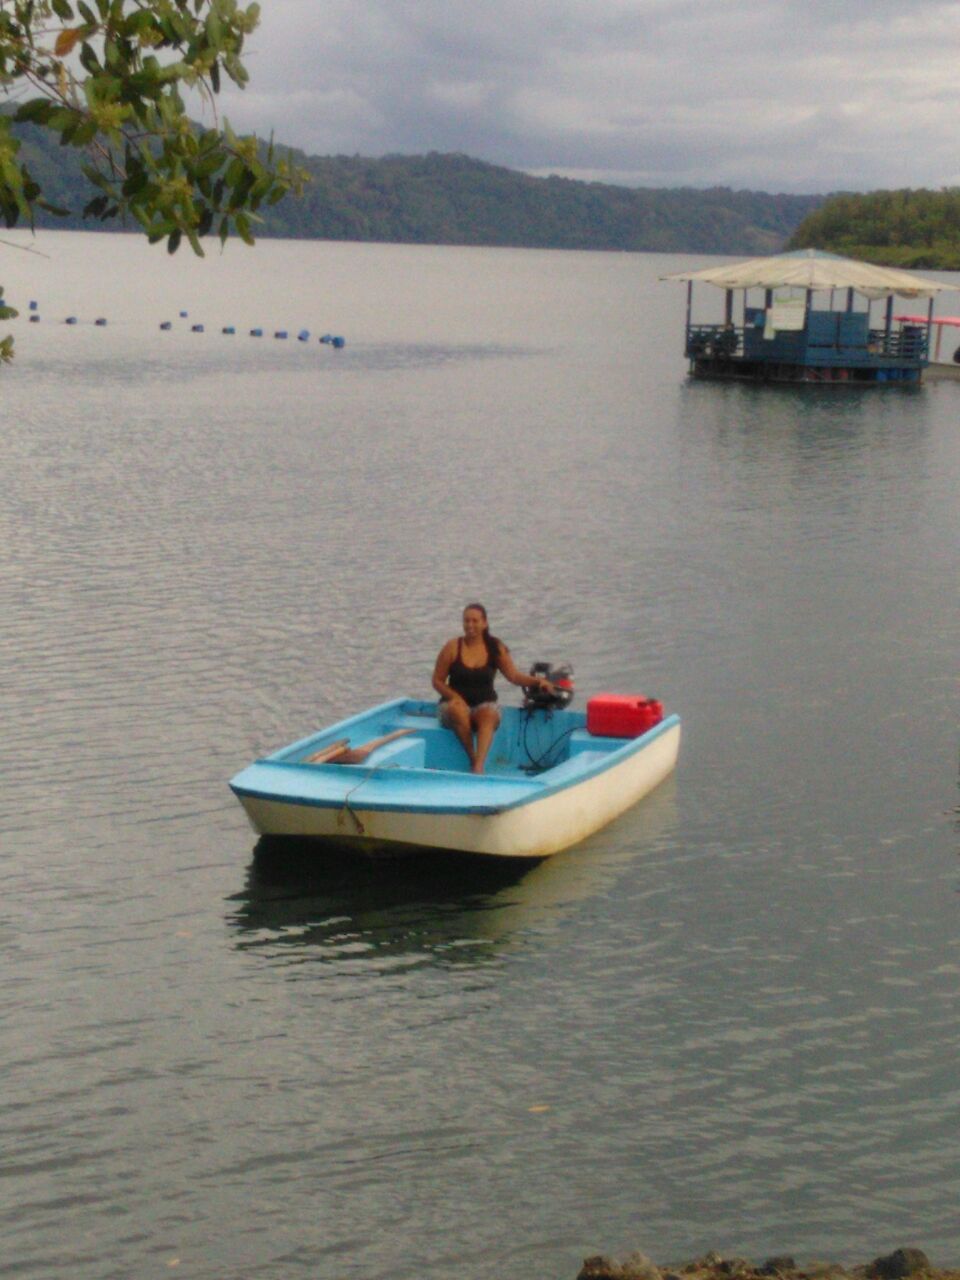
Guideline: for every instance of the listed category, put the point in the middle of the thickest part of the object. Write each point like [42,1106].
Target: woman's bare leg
[457,718]
[486,721]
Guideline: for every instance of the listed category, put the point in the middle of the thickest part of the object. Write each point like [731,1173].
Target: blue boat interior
[526,744]
[533,753]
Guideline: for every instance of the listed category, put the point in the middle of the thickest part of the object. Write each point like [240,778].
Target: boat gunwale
[533,789]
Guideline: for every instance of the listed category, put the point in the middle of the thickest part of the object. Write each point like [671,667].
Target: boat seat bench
[579,763]
[406,753]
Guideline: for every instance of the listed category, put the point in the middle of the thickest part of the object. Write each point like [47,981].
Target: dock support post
[930,327]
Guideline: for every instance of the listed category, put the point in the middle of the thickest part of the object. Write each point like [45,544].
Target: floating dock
[789,335]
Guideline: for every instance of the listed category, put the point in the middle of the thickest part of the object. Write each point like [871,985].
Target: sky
[799,96]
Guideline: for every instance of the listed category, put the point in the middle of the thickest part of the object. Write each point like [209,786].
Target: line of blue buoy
[34,318]
[328,339]
[100,322]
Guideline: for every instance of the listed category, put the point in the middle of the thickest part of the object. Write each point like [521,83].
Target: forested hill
[918,229]
[452,199]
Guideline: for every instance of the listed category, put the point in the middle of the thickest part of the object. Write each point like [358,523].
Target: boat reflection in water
[332,907]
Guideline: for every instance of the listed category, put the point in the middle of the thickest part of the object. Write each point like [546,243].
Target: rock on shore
[899,1265]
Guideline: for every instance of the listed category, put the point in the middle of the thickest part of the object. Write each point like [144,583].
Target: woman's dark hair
[493,645]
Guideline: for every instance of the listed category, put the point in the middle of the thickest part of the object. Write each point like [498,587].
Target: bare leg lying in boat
[341,753]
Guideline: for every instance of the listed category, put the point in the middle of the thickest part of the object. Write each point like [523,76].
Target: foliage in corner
[107,76]
[6,344]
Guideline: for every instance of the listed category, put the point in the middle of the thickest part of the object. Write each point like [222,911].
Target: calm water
[729,1021]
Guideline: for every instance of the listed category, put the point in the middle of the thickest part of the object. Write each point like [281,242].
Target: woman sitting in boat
[463,676]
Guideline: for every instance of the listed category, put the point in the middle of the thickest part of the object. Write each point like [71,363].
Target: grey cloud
[796,95]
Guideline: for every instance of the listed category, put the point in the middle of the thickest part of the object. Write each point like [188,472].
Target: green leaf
[84,133]
[90,63]
[37,110]
[243,228]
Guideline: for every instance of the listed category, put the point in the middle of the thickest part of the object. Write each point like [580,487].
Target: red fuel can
[622,715]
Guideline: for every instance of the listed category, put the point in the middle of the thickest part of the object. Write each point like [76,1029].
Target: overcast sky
[774,95]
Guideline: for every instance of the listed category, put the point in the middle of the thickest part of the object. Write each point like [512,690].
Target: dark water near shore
[728,1021]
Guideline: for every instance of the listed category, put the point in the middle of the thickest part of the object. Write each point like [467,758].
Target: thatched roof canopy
[813,269]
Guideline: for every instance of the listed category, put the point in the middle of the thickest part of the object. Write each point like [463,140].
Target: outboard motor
[561,677]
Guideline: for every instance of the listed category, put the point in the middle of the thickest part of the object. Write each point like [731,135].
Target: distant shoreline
[905,1263]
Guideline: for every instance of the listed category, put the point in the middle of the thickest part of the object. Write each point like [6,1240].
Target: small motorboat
[394,779]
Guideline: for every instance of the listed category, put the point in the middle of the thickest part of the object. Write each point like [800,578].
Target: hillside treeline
[918,229]
[453,199]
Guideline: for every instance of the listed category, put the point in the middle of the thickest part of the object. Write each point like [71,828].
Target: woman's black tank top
[474,684]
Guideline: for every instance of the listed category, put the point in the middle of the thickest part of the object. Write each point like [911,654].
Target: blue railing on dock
[908,343]
[836,339]
[722,340]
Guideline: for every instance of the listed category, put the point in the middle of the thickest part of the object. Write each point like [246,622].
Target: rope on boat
[348,808]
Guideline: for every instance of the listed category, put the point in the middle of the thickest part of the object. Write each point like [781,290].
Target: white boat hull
[536,829]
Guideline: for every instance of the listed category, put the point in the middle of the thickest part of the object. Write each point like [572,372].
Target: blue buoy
[33,306]
[183,315]
[166,324]
[326,338]
[196,328]
[339,342]
[100,321]
[281,333]
[228,328]
[256,333]
[303,335]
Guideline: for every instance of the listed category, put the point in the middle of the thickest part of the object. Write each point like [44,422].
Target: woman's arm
[442,669]
[507,667]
